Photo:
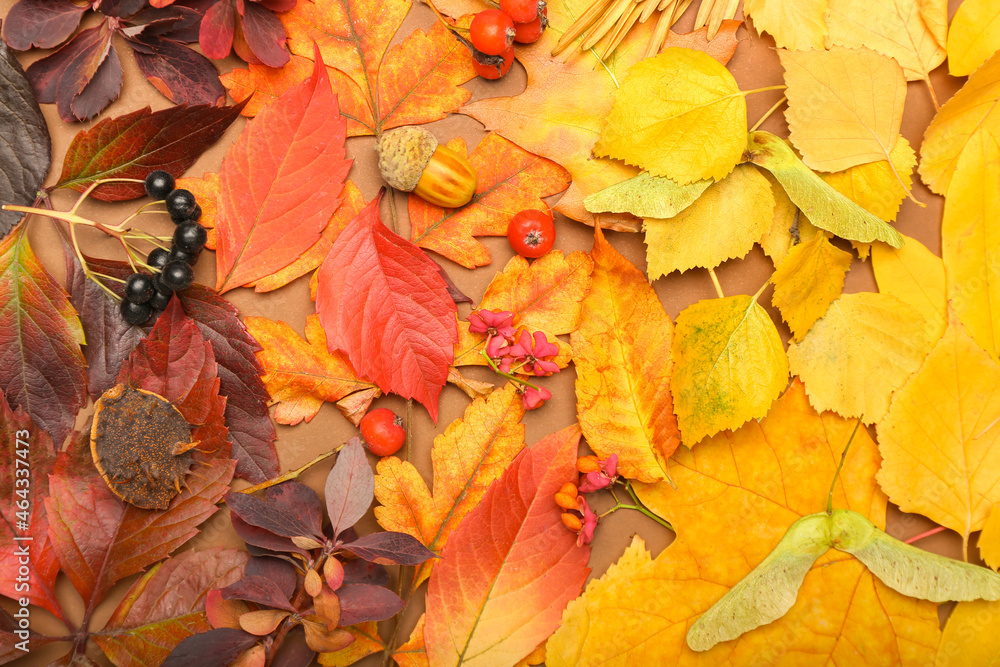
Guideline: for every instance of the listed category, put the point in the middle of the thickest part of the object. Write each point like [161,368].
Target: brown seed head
[402,155]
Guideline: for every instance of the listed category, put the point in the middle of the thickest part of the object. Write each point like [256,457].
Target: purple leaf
[260,590]
[390,548]
[263,538]
[279,5]
[174,22]
[360,571]
[294,652]
[281,519]
[120,8]
[41,23]
[215,648]
[350,487]
[184,76]
[364,602]
[216,33]
[302,498]
[265,35]
[279,571]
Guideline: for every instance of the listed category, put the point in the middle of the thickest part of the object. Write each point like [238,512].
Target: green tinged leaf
[646,196]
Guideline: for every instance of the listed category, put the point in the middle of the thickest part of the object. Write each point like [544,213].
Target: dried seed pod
[411,160]
[141,446]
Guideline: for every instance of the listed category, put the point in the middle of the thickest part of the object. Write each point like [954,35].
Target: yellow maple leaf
[971,636]
[844,105]
[794,25]
[876,186]
[680,115]
[914,275]
[725,222]
[736,496]
[989,539]
[471,453]
[974,36]
[940,438]
[809,279]
[853,358]
[729,365]
[621,352]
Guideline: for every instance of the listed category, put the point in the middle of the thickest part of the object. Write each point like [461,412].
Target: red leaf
[384,303]
[261,590]
[365,602]
[350,487]
[281,572]
[41,366]
[41,23]
[390,547]
[265,35]
[215,647]
[134,144]
[182,75]
[216,33]
[255,536]
[290,509]
[280,182]
[510,564]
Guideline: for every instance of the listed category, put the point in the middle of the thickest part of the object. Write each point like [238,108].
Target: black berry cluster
[173,269]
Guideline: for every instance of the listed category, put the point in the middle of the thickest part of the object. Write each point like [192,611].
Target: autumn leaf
[510,567]
[937,440]
[978,620]
[403,340]
[751,485]
[809,279]
[366,642]
[788,226]
[413,653]
[301,374]
[466,459]
[279,186]
[876,186]
[974,36]
[916,276]
[206,192]
[729,366]
[723,223]
[470,346]
[646,196]
[721,47]
[863,348]
[799,25]
[989,539]
[621,353]
[509,180]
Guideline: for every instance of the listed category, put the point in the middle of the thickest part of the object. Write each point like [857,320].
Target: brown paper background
[755,65]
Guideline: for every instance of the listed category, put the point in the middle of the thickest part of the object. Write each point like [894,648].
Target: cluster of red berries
[171,270]
[595,475]
[494,31]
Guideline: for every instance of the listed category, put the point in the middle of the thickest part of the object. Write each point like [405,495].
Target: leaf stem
[761,290]
[499,372]
[716,283]
[930,89]
[926,533]
[768,113]
[840,466]
[762,90]
[291,474]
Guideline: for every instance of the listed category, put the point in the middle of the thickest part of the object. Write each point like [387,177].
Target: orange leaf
[511,567]
[510,179]
[466,459]
[366,642]
[262,622]
[721,47]
[413,653]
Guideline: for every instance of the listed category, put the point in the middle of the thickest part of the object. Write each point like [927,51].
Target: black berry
[195,214]
[160,300]
[180,204]
[177,275]
[158,258]
[139,288]
[135,313]
[160,287]
[176,254]
[190,237]
[159,184]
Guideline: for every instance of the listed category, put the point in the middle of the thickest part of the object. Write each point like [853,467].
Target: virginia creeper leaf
[183,75]
[349,488]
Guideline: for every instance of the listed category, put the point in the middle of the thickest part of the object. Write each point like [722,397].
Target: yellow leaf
[971,636]
[966,123]
[974,36]
[863,348]
[621,352]
[679,114]
[729,366]
[809,279]
[723,223]
[989,539]
[875,186]
[914,275]
[646,196]
[844,105]
[794,25]
[736,496]
[895,28]
[940,439]
[788,226]
[366,642]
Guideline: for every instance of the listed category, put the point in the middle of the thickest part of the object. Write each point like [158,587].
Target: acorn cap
[402,155]
[141,446]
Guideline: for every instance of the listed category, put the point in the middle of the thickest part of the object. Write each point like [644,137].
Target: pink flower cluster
[577,515]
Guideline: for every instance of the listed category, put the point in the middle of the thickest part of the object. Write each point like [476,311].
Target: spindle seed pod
[411,160]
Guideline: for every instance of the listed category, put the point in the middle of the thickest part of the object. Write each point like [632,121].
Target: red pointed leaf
[41,23]
[291,512]
[182,75]
[15,641]
[255,536]
[44,74]
[365,602]
[280,183]
[216,33]
[281,572]
[350,487]
[510,563]
[383,302]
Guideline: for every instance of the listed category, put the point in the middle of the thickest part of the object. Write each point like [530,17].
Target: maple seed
[411,160]
[141,446]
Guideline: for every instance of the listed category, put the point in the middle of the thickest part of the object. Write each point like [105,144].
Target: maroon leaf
[215,648]
[175,22]
[364,602]
[390,547]
[281,572]
[15,641]
[279,5]
[294,652]
[41,23]
[260,590]
[120,8]
[182,75]
[263,538]
[282,519]
[265,35]
[456,294]
[363,572]
[167,605]
[134,144]
[216,33]
[350,487]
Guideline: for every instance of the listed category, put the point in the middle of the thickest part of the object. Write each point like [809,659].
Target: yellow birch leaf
[940,439]
[971,636]
[722,224]
[970,236]
[729,366]
[844,105]
[471,453]
[794,25]
[853,358]
[989,539]
[680,115]
[974,36]
[621,352]
[966,123]
[809,279]
[894,28]
[788,226]
[736,496]
[875,186]
[914,275]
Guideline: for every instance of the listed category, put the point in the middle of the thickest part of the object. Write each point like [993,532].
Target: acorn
[411,160]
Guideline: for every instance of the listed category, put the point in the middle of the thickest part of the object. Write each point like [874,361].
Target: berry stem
[513,378]
[642,508]
[107,277]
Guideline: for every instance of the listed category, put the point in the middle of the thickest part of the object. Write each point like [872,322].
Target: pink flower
[586,534]
[594,481]
[534,398]
[496,346]
[499,323]
[537,351]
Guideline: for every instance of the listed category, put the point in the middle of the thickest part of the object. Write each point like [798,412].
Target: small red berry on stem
[491,32]
[531,233]
[383,431]
[521,11]
[492,67]
[531,32]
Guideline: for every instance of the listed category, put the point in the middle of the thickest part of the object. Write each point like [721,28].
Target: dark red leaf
[216,33]
[360,571]
[134,144]
[350,487]
[263,538]
[182,75]
[16,642]
[41,23]
[294,652]
[44,73]
[456,294]
[281,572]
[215,648]
[364,602]
[279,5]
[120,8]
[304,499]
[265,35]
[283,519]
[390,547]
[175,22]
[260,590]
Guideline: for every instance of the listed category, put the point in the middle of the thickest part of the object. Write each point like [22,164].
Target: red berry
[520,11]
[487,66]
[383,431]
[491,32]
[530,32]
[531,233]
